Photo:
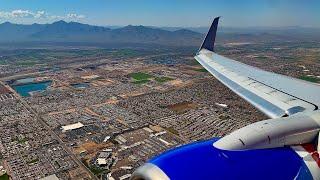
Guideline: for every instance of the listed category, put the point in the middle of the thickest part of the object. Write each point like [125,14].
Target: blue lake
[25,89]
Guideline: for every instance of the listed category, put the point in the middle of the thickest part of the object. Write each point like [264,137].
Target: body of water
[25,89]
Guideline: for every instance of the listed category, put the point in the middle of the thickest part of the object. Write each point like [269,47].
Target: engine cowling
[297,129]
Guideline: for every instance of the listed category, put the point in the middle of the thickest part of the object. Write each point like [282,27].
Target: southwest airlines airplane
[283,147]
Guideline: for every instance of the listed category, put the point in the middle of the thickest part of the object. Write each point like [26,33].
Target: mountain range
[74,32]
[62,31]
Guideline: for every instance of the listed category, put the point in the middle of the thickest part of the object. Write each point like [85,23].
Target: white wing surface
[274,94]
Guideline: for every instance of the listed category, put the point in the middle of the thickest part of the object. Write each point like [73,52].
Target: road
[40,120]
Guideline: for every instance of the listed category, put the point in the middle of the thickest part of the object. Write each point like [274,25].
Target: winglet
[208,42]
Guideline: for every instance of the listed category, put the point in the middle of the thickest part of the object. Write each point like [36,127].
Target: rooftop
[72,126]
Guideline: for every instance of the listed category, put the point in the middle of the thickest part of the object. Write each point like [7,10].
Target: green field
[96,170]
[201,70]
[162,79]
[4,177]
[3,62]
[224,117]
[22,141]
[172,130]
[141,81]
[140,76]
[33,161]
[310,79]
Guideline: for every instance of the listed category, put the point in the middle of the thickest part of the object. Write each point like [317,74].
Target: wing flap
[273,101]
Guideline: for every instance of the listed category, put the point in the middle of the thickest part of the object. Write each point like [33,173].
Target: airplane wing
[284,147]
[274,94]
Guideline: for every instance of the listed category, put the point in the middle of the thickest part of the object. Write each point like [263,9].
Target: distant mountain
[250,30]
[291,33]
[73,32]
[201,30]
[16,32]
[62,31]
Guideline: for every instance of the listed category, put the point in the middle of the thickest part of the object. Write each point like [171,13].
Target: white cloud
[4,15]
[56,17]
[19,13]
[40,14]
[75,16]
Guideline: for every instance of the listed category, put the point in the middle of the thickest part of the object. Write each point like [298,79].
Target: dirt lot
[182,107]
[91,147]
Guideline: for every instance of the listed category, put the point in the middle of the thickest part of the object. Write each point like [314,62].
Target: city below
[98,112]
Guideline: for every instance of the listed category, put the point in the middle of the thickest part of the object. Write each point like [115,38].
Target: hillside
[62,31]
[73,32]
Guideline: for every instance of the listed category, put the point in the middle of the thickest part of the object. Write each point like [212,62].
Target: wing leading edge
[273,94]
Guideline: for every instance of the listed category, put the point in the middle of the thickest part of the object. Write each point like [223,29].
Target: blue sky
[183,13]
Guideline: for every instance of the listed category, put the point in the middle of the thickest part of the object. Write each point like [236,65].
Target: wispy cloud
[76,16]
[19,13]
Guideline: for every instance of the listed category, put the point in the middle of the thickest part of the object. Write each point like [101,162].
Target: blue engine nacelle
[202,161]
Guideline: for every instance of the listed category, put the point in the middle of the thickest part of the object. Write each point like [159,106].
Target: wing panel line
[266,107]
[315,106]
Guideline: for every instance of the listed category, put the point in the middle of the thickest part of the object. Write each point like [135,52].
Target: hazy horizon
[120,26]
[165,13]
